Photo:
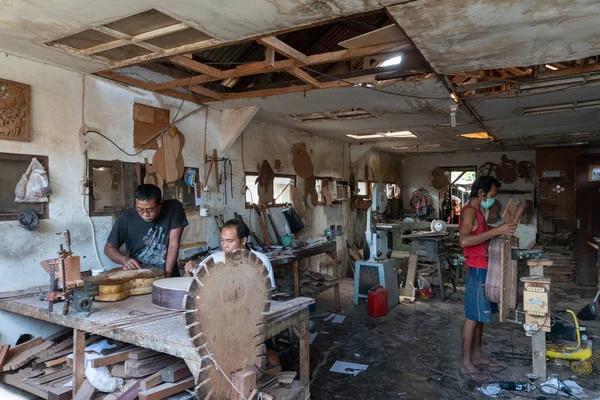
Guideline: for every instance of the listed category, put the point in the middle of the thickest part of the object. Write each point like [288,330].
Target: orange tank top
[477,256]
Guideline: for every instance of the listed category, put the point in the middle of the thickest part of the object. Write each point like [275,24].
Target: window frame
[44,160]
[248,205]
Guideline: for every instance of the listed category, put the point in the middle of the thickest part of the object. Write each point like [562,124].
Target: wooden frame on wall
[15,111]
[42,209]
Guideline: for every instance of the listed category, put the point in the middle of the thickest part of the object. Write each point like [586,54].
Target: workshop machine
[377,269]
[65,281]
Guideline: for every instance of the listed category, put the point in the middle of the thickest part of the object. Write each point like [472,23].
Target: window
[281,189]
[393,191]
[12,167]
[460,181]
[362,189]
[113,184]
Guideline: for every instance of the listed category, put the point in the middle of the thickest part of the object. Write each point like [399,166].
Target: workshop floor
[406,347]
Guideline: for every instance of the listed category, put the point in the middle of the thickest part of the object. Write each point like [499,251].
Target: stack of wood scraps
[42,367]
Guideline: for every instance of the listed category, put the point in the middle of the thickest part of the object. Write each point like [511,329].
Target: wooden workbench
[160,330]
[329,248]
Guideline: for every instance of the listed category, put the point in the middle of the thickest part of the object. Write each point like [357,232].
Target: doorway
[460,180]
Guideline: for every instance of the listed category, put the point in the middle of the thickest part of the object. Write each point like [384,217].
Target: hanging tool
[213,162]
[263,228]
[277,235]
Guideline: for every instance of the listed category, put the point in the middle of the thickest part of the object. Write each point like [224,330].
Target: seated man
[234,236]
[151,231]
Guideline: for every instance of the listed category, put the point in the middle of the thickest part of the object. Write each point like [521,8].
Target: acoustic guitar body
[169,293]
[118,284]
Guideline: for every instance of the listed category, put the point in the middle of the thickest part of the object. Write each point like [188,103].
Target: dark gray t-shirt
[148,242]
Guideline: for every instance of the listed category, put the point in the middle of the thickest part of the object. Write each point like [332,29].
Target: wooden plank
[244,381]
[166,389]
[130,391]
[283,49]
[86,391]
[118,371]
[538,354]
[408,289]
[14,380]
[3,354]
[60,336]
[269,58]
[23,358]
[24,347]
[196,66]
[387,34]
[262,67]
[174,373]
[54,376]
[302,75]
[60,393]
[207,92]
[113,358]
[78,359]
[140,354]
[151,381]
[55,362]
[147,366]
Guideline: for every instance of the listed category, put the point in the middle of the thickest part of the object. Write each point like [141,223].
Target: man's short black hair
[484,183]
[241,229]
[147,192]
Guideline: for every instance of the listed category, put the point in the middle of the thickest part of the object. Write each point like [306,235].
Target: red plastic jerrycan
[377,301]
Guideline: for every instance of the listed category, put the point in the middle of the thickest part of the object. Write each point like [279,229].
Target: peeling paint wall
[415,171]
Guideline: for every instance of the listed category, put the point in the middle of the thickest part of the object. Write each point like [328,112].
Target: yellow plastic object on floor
[568,351]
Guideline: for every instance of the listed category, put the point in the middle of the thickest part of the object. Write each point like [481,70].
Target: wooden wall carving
[15,110]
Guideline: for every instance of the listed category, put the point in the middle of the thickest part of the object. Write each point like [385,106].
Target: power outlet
[84,188]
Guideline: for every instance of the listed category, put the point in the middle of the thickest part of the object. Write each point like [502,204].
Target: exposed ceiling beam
[207,92]
[283,49]
[196,66]
[262,68]
[304,76]
[147,86]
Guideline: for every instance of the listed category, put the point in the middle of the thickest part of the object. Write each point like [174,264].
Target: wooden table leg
[78,359]
[303,334]
[296,279]
[441,278]
[538,356]
[336,288]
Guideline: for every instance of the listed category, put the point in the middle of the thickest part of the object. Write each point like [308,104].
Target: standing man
[234,236]
[474,239]
[151,232]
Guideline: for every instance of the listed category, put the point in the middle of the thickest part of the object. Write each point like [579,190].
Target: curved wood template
[169,293]
[224,317]
[118,284]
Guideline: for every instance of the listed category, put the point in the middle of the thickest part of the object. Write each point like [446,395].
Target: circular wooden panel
[169,293]
[226,300]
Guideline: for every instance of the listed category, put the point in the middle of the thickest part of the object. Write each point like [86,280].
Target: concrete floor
[406,347]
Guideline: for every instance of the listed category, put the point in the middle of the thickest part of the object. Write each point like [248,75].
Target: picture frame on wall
[15,111]
[594,175]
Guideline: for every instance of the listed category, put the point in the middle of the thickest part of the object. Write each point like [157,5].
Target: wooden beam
[283,49]
[196,66]
[569,71]
[24,347]
[262,68]
[166,389]
[269,58]
[148,86]
[304,76]
[207,92]
[78,359]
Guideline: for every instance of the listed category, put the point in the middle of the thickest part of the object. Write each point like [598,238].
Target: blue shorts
[477,307]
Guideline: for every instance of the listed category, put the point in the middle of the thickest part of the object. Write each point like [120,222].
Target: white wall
[415,172]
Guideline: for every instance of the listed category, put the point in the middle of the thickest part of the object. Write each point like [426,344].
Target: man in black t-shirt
[151,231]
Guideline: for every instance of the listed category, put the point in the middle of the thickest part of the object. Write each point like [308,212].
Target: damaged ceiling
[525,72]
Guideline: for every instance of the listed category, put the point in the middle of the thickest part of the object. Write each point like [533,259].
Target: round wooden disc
[169,293]
[227,299]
